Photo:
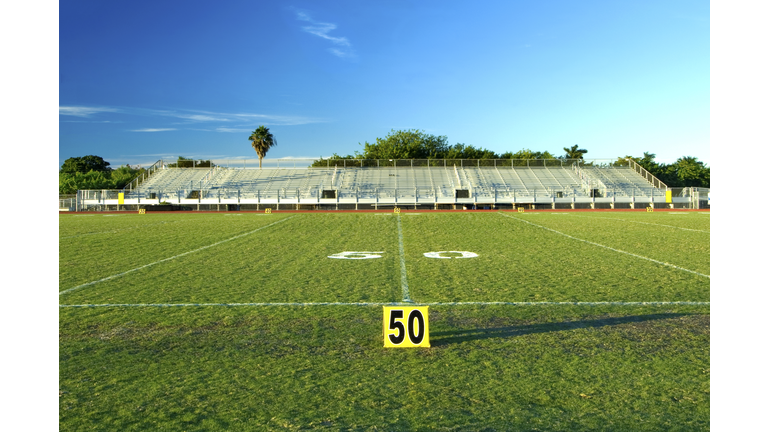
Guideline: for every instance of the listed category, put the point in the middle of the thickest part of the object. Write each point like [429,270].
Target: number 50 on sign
[406,327]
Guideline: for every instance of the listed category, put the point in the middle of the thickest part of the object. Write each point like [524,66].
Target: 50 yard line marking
[403,275]
[608,247]
[173,257]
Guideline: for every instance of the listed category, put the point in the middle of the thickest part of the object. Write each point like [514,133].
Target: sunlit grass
[559,368]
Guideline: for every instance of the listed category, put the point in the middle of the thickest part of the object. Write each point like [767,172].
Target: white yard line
[171,258]
[646,223]
[403,275]
[608,247]
[409,303]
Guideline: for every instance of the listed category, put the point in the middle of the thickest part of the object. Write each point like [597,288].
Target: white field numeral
[356,255]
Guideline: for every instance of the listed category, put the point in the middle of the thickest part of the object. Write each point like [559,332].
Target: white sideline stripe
[403,275]
[478,303]
[173,257]
[646,223]
[610,248]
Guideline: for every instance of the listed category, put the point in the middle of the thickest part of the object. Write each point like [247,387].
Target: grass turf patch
[303,368]
[490,368]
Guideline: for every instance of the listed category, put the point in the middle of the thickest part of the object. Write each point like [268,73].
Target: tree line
[687,171]
[93,172]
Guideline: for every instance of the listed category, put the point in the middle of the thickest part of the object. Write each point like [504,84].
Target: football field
[253,321]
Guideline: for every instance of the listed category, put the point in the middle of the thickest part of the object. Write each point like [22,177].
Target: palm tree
[261,141]
[574,152]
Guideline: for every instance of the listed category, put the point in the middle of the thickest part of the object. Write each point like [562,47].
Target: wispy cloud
[200,117]
[238,130]
[153,130]
[89,121]
[192,117]
[80,111]
[343,48]
[208,117]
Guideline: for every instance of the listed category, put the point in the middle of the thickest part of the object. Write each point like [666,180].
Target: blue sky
[142,80]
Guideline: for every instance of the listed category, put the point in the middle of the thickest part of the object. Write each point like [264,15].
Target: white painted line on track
[609,248]
[171,258]
[477,303]
[645,223]
[403,275]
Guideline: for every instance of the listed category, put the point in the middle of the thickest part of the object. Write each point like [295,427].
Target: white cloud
[81,111]
[340,53]
[153,130]
[275,120]
[199,117]
[243,120]
[321,30]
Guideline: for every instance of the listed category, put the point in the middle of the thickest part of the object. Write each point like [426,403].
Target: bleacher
[622,181]
[393,185]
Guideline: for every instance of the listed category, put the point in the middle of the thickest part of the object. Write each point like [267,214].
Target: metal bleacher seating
[397,184]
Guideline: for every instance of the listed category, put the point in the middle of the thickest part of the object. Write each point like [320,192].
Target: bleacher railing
[142,177]
[646,175]
[324,163]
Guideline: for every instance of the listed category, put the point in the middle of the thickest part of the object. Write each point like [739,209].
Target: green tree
[687,171]
[124,175]
[333,160]
[261,141]
[527,154]
[84,164]
[183,162]
[406,144]
[417,144]
[72,182]
[463,151]
[574,152]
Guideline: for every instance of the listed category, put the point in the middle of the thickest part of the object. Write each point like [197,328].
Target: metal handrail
[143,176]
[650,178]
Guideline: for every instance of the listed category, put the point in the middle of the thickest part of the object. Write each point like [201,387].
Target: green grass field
[242,321]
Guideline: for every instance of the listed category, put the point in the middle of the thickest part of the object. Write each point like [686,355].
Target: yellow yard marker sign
[268,211]
[406,327]
[142,211]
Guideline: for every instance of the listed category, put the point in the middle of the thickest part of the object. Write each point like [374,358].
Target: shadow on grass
[451,337]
